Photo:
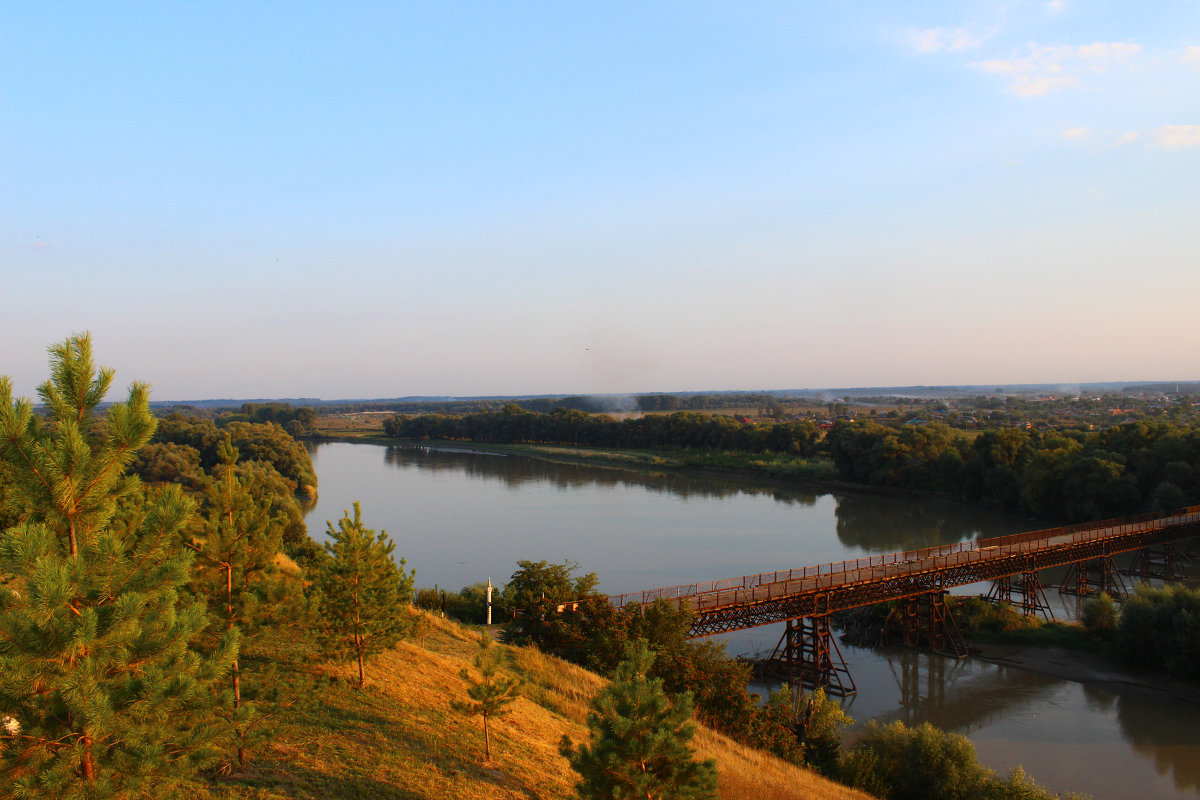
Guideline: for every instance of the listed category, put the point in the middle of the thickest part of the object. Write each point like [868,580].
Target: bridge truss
[814,593]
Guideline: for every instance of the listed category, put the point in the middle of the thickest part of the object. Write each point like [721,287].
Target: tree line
[515,425]
[1074,475]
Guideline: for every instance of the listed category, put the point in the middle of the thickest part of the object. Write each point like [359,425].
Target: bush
[1100,615]
[1160,629]
[897,762]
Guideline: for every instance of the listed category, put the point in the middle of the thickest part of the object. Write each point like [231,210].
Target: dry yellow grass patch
[399,739]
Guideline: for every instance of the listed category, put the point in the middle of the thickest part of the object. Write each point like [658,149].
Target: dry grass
[400,738]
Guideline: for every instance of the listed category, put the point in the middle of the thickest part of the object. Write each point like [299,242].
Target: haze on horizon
[368,199]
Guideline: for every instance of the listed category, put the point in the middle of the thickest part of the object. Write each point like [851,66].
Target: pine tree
[640,740]
[490,695]
[363,591]
[96,668]
[236,548]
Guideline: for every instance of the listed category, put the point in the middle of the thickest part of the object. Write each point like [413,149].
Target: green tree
[640,741]
[490,695]
[362,591]
[96,663]
[237,547]
[819,723]
[540,580]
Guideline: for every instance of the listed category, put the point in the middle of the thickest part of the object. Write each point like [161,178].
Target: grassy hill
[399,739]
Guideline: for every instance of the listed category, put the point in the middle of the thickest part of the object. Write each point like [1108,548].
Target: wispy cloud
[937,40]
[1055,6]
[1128,137]
[1045,68]
[1174,136]
[1166,136]
[1192,56]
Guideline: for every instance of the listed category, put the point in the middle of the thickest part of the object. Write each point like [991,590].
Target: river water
[462,517]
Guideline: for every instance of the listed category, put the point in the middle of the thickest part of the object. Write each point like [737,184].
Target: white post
[489,622]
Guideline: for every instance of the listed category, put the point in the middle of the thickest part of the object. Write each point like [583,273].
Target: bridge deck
[752,600]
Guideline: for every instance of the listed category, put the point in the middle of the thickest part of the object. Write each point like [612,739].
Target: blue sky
[385,199]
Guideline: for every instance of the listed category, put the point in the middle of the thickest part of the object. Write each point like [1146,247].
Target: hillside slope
[399,739]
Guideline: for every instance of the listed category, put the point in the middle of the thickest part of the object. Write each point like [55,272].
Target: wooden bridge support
[1163,562]
[810,658]
[926,622]
[1028,587]
[1094,577]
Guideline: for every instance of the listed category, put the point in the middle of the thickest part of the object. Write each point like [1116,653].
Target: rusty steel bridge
[805,598]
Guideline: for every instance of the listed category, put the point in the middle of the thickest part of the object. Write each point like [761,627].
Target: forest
[1060,475]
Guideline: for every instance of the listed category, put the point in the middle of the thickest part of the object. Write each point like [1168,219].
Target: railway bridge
[805,598]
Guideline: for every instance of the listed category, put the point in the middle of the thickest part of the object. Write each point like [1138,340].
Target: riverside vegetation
[1075,475]
[181,635]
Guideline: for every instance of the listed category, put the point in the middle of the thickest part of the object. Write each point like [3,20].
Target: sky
[385,199]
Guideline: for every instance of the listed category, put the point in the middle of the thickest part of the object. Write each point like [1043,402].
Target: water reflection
[1152,728]
[887,524]
[515,471]
[960,694]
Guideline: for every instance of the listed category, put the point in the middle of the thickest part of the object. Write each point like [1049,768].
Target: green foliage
[490,695]
[362,591]
[820,721]
[915,763]
[596,635]
[266,442]
[169,463]
[468,605]
[96,663]
[1100,615]
[296,421]
[237,574]
[185,464]
[9,507]
[975,615]
[640,740]
[897,762]
[683,429]
[1160,629]
[535,581]
[66,474]
[1076,475]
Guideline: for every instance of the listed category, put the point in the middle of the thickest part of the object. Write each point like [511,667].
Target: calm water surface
[462,517]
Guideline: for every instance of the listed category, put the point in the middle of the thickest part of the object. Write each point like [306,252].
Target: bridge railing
[768,585]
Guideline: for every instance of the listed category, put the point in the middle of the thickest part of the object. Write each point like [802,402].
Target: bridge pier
[809,657]
[1028,588]
[1094,577]
[926,621]
[1163,562]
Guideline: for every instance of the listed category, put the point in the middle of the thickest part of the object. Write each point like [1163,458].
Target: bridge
[805,598]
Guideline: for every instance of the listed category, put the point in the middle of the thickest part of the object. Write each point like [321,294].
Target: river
[461,517]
